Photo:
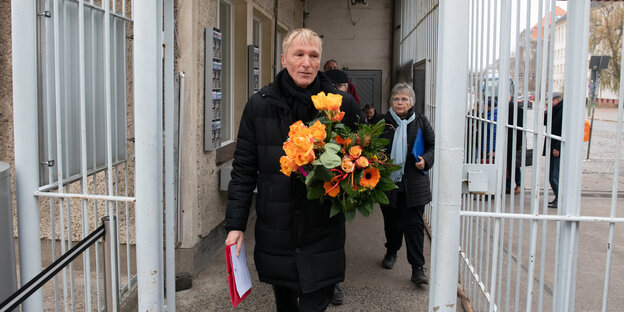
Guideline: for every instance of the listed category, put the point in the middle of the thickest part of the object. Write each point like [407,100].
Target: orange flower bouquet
[348,168]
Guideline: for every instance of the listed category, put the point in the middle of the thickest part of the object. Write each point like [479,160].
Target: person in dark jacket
[333,64]
[404,215]
[339,78]
[299,249]
[555,145]
[518,122]
[372,117]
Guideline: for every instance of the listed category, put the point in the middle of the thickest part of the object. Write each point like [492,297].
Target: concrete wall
[357,36]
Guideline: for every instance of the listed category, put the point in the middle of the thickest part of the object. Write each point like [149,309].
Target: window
[68,89]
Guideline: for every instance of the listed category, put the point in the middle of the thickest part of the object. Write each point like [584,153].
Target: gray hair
[403,87]
[557,95]
[305,35]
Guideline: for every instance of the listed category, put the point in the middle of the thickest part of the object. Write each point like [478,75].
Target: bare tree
[605,38]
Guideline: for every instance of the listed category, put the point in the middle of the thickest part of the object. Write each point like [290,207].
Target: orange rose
[338,116]
[295,128]
[355,151]
[347,164]
[303,143]
[318,131]
[327,102]
[290,148]
[361,162]
[304,158]
[288,165]
[334,101]
[333,192]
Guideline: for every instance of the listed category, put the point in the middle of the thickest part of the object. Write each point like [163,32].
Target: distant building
[529,67]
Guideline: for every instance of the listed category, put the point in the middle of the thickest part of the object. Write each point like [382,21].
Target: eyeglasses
[398,99]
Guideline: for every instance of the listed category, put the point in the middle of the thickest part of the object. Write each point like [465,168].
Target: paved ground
[368,287]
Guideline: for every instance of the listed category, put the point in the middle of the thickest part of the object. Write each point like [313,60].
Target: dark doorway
[420,78]
[368,86]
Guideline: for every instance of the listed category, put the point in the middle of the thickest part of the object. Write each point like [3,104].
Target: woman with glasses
[404,215]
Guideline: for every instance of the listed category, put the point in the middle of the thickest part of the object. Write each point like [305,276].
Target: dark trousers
[403,221]
[516,178]
[517,169]
[553,175]
[291,300]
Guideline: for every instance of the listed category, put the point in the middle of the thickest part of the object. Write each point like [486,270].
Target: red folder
[236,299]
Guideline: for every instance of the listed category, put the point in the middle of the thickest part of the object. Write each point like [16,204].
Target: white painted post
[571,152]
[146,74]
[170,205]
[24,51]
[453,28]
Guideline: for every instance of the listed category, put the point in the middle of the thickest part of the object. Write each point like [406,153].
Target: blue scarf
[399,144]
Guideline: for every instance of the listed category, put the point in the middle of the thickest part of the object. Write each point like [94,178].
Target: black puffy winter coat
[297,244]
[557,116]
[415,181]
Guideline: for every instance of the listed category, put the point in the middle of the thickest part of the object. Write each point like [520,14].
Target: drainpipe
[25,135]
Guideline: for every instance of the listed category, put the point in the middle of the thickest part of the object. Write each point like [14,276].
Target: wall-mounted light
[354,2]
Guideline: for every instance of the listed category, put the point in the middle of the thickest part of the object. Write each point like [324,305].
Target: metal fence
[28,288]
[75,139]
[516,253]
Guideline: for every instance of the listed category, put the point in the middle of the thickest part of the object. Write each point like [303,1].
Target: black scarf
[300,99]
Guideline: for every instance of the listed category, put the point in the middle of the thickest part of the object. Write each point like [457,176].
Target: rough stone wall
[6,94]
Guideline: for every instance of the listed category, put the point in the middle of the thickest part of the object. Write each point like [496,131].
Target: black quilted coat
[416,182]
[297,244]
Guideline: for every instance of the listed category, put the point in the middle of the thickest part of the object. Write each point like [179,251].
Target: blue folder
[419,146]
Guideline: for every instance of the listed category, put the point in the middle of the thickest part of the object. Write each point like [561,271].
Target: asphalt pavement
[367,286]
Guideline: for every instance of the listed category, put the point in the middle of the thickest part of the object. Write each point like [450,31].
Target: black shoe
[337,297]
[553,204]
[418,276]
[389,260]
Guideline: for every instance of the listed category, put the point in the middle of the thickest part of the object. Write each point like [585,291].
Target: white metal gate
[89,144]
[515,253]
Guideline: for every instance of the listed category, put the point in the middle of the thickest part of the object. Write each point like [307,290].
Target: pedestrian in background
[555,145]
[403,217]
[519,122]
[339,78]
[372,117]
[332,64]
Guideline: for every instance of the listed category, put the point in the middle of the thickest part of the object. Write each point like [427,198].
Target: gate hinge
[49,163]
[45,14]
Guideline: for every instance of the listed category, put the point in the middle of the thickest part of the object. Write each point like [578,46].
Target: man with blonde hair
[299,248]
